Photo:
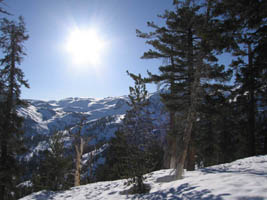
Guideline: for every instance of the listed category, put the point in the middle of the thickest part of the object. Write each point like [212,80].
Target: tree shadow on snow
[184,191]
[250,198]
[240,171]
[165,179]
[45,195]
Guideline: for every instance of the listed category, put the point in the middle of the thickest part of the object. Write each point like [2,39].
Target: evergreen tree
[137,126]
[134,151]
[54,170]
[119,161]
[2,10]
[218,139]
[137,121]
[13,35]
[116,165]
[246,21]
[187,42]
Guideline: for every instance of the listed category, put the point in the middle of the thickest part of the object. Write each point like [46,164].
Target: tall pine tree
[13,35]
[188,43]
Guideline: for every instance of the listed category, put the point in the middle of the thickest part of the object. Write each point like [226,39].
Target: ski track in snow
[244,179]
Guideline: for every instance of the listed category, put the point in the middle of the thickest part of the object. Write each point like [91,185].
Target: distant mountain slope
[42,117]
[102,118]
[244,179]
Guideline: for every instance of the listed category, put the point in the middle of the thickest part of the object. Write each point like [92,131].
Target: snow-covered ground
[244,179]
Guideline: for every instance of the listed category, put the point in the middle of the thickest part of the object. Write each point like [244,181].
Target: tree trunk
[186,139]
[79,153]
[251,106]
[3,168]
[265,144]
[3,160]
[140,184]
[190,165]
[191,115]
[167,154]
[191,111]
[91,167]
[173,152]
[170,151]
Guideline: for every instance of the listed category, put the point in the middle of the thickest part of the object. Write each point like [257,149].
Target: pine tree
[246,21]
[134,150]
[119,160]
[163,40]
[13,35]
[217,139]
[188,43]
[137,127]
[55,166]
[2,10]
[116,165]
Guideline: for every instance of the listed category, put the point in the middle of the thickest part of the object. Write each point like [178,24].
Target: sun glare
[85,46]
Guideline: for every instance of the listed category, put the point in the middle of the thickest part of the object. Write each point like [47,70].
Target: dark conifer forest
[214,113]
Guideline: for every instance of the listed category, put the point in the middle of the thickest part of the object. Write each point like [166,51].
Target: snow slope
[244,179]
[43,117]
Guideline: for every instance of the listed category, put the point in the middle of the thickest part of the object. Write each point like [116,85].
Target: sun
[85,46]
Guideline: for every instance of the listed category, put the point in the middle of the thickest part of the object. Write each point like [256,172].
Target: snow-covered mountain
[102,117]
[43,117]
[244,179]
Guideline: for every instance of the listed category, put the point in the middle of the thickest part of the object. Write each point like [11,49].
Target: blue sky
[48,66]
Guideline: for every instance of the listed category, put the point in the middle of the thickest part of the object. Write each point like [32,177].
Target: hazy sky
[50,68]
